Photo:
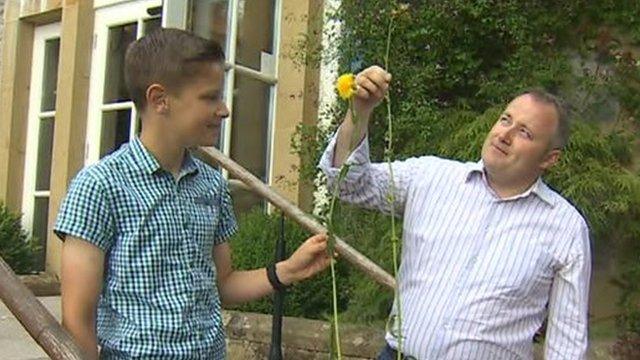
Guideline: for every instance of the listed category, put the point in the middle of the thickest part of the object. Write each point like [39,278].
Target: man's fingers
[380,79]
[368,85]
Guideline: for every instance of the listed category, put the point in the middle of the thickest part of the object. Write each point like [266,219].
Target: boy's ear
[157,98]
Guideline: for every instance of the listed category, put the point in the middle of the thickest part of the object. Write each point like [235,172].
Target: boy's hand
[309,259]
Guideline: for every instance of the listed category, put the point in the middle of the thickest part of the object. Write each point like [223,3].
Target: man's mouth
[499,149]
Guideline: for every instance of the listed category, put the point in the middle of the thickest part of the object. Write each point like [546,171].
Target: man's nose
[506,135]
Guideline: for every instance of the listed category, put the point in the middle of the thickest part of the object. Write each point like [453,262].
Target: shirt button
[447,326]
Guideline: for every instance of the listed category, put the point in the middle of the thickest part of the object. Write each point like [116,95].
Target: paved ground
[15,342]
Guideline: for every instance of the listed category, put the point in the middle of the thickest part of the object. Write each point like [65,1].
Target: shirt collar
[539,188]
[149,164]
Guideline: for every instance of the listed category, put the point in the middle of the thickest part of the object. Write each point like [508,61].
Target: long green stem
[336,331]
[394,237]
[335,310]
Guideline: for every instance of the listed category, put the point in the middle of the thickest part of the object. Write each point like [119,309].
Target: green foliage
[19,251]
[369,232]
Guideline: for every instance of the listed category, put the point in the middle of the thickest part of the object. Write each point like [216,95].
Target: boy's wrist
[285,274]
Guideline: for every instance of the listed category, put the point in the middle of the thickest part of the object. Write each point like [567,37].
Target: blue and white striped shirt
[477,271]
[159,297]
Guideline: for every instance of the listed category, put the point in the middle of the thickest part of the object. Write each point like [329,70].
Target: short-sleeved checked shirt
[159,297]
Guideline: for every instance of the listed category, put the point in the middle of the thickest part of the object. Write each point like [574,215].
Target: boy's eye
[504,120]
[215,97]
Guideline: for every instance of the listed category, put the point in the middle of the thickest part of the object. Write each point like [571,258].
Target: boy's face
[198,109]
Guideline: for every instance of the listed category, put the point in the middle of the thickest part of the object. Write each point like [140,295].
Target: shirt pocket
[512,271]
[204,211]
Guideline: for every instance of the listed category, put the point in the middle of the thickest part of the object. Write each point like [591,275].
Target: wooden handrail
[35,318]
[214,156]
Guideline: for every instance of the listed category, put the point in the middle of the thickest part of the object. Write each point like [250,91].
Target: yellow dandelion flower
[346,86]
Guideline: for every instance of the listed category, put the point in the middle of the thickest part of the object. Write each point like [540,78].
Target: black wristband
[273,279]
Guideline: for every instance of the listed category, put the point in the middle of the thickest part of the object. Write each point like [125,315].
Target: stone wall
[249,337]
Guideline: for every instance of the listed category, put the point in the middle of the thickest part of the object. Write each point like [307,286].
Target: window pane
[119,38]
[210,20]
[249,127]
[45,147]
[40,227]
[152,24]
[50,74]
[255,33]
[115,130]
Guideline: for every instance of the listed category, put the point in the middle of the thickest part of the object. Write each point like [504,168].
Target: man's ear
[552,157]
[157,98]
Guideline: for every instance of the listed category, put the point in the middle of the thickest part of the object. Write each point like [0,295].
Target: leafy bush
[19,251]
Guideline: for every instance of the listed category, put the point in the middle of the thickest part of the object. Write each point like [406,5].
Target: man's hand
[309,259]
[373,84]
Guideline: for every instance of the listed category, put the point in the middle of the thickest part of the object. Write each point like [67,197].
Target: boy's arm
[82,276]
[237,287]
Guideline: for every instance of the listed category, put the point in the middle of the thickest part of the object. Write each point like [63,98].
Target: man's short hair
[561,137]
[170,57]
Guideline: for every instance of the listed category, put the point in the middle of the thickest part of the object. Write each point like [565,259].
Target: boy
[145,229]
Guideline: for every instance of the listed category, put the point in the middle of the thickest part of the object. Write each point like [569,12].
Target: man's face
[519,146]
[198,109]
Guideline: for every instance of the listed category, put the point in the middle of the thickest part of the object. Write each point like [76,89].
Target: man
[486,245]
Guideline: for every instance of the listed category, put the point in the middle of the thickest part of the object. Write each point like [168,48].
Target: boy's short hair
[170,57]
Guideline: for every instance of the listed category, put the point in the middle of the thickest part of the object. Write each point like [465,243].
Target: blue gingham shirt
[478,271]
[159,298]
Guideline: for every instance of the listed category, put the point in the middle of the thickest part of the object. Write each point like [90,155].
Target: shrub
[16,248]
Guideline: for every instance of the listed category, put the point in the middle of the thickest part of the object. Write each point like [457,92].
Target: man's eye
[526,134]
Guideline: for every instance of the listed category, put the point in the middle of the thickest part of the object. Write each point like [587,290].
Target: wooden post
[34,317]
[215,156]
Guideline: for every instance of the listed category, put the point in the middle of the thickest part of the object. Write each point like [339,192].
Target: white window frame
[110,14]
[176,14]
[41,35]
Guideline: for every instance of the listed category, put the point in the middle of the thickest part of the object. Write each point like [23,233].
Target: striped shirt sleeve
[368,184]
[567,332]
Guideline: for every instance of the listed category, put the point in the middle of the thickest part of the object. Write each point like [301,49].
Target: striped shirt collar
[539,188]
[146,162]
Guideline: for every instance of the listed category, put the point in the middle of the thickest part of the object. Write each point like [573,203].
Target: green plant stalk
[335,310]
[391,198]
[344,169]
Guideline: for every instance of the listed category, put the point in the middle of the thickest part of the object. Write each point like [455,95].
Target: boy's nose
[222,111]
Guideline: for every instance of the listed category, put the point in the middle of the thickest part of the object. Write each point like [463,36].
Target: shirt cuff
[358,159]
